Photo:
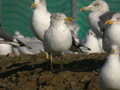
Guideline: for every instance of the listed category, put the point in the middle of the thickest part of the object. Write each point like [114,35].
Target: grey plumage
[9,39]
[4,34]
[35,45]
[106,16]
[99,14]
[76,44]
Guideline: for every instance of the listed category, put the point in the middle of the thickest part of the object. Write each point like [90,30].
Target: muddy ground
[32,72]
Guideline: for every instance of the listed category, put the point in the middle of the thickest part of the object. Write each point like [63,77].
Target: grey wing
[108,15]
[35,46]
[76,42]
[76,27]
[5,35]
[75,38]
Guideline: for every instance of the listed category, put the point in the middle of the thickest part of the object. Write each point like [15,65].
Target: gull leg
[51,59]
[46,58]
[46,55]
[61,62]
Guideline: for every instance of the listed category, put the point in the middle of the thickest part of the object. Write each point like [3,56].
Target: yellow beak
[68,19]
[84,9]
[112,50]
[109,22]
[33,5]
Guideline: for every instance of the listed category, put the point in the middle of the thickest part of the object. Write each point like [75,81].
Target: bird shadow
[86,65]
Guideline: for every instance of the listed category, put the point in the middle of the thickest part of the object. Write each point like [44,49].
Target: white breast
[58,40]
[93,23]
[5,49]
[109,78]
[40,22]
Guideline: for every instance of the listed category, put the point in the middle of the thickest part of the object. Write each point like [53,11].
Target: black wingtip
[88,48]
[22,44]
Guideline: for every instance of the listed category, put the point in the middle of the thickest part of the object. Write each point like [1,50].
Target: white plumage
[112,33]
[58,37]
[97,8]
[109,77]
[40,18]
[91,42]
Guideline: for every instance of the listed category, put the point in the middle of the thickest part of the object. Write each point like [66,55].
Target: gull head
[60,16]
[91,33]
[38,3]
[115,19]
[96,6]
[17,33]
[114,49]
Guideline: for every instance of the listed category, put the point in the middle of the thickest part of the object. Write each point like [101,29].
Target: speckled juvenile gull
[109,77]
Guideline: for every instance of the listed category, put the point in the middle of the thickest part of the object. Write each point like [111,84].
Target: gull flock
[56,33]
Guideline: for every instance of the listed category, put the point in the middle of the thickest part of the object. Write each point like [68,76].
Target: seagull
[91,42]
[9,39]
[57,38]
[99,14]
[17,34]
[36,46]
[40,18]
[15,50]
[112,32]
[41,22]
[109,77]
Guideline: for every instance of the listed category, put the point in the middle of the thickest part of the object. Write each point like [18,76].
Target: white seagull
[91,42]
[41,21]
[99,14]
[40,18]
[112,33]
[109,77]
[57,38]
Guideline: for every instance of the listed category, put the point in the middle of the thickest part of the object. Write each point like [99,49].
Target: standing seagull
[109,77]
[99,14]
[40,18]
[57,38]
[41,22]
[112,33]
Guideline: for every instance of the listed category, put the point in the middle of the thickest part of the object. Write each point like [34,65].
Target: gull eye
[59,16]
[118,18]
[96,4]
